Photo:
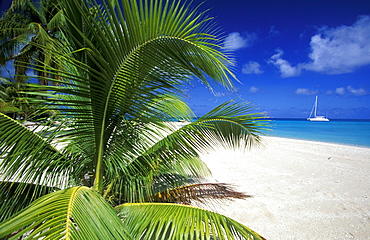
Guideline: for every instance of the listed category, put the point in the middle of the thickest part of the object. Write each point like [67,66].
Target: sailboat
[313,117]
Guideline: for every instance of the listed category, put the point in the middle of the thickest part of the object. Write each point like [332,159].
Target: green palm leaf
[232,125]
[30,158]
[173,221]
[74,213]
[26,24]
[15,196]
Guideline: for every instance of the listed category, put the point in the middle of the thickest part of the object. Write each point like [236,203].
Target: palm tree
[25,23]
[111,166]
[15,102]
[12,101]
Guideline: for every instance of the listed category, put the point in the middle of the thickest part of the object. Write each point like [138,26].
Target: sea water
[349,132]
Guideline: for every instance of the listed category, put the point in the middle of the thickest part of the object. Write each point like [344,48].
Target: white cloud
[306,91]
[357,92]
[235,41]
[333,50]
[253,89]
[341,49]
[351,90]
[340,91]
[284,66]
[252,68]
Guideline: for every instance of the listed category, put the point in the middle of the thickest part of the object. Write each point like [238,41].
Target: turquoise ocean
[349,132]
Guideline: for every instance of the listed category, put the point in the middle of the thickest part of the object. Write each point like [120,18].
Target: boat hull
[318,119]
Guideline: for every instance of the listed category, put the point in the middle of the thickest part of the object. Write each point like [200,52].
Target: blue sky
[289,51]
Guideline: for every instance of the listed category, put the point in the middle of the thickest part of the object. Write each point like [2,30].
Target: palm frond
[171,108]
[52,14]
[74,213]
[10,48]
[57,21]
[15,196]
[174,221]
[28,157]
[143,179]
[232,125]
[200,192]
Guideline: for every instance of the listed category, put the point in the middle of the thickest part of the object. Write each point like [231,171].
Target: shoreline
[317,141]
[301,189]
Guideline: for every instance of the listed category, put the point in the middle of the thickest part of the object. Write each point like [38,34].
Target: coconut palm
[15,102]
[11,101]
[113,166]
[24,23]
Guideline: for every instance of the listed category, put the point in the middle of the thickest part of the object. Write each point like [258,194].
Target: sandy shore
[302,189]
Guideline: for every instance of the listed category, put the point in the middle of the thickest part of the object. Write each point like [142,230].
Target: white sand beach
[301,189]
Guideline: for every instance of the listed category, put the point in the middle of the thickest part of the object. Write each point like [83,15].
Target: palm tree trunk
[20,69]
[42,75]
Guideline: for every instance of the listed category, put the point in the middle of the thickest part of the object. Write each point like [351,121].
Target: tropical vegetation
[26,26]
[15,103]
[109,164]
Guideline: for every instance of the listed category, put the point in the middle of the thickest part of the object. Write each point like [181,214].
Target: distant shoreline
[344,132]
[300,119]
[331,119]
[318,141]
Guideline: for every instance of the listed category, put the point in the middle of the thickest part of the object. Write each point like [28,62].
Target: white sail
[313,117]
